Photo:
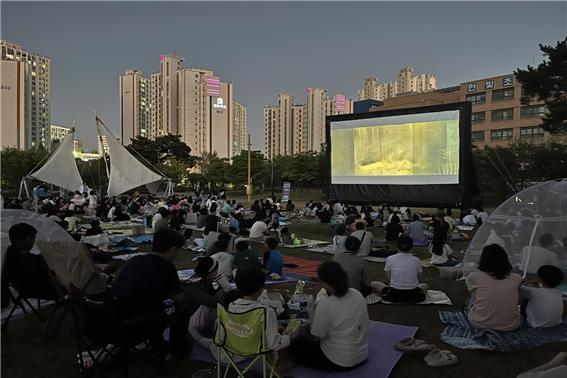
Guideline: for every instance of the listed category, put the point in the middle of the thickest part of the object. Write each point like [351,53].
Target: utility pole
[249,186]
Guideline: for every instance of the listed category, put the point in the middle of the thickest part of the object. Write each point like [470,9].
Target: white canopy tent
[60,169]
[127,172]
[518,223]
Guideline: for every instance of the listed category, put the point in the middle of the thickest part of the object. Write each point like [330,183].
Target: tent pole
[538,219]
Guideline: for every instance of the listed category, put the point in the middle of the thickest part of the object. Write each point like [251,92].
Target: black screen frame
[430,195]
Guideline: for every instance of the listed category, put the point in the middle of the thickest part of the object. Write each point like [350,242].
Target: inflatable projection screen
[417,156]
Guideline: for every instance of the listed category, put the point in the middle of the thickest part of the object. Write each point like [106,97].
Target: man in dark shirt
[26,272]
[145,282]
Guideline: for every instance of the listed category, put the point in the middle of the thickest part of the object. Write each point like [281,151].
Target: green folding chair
[243,334]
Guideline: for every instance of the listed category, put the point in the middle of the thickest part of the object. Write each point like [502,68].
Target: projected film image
[429,149]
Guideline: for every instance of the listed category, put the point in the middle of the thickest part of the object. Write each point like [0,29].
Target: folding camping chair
[101,334]
[69,263]
[244,335]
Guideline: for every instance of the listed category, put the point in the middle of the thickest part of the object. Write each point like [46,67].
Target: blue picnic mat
[462,334]
[137,239]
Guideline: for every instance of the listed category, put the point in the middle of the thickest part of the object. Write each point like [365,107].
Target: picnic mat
[306,243]
[135,239]
[462,334]
[433,297]
[304,267]
[381,361]
[186,274]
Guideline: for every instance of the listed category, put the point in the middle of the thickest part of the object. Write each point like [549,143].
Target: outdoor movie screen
[408,149]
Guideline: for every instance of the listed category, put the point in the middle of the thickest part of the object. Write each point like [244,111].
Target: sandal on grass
[439,358]
[410,344]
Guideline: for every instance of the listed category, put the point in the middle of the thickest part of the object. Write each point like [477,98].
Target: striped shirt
[356,268]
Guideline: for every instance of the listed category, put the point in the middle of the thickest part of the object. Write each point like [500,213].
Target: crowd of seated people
[144,282]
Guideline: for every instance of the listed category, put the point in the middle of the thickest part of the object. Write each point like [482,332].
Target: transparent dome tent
[519,222]
[46,228]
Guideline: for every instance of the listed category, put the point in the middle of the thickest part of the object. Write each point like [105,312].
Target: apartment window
[503,94]
[503,114]
[478,117]
[476,98]
[532,111]
[531,132]
[477,136]
[502,134]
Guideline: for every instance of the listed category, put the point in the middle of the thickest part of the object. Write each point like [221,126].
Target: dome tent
[520,221]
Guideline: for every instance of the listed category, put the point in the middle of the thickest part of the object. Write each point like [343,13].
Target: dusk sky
[265,48]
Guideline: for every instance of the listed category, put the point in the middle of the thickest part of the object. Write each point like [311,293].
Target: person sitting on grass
[544,306]
[273,260]
[339,239]
[260,227]
[95,228]
[339,321]
[416,230]
[402,271]
[494,292]
[244,256]
[364,236]
[355,266]
[394,229]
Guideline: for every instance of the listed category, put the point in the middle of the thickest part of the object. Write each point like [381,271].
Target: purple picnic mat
[382,354]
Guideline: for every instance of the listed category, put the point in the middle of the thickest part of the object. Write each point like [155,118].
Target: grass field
[24,356]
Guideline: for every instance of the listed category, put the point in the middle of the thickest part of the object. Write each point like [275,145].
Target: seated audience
[402,271]
[163,221]
[244,256]
[539,255]
[339,321]
[394,229]
[273,260]
[494,292]
[339,239]
[355,266]
[260,227]
[469,220]
[95,228]
[145,282]
[250,281]
[24,271]
[365,238]
[544,302]
[416,230]
[289,206]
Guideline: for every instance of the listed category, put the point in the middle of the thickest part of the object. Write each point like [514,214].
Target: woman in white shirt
[339,321]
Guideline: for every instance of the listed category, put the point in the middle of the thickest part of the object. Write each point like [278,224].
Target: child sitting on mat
[544,302]
[402,270]
[273,260]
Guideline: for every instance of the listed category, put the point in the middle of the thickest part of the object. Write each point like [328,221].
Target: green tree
[93,173]
[162,149]
[548,82]
[15,164]
[238,170]
[214,168]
